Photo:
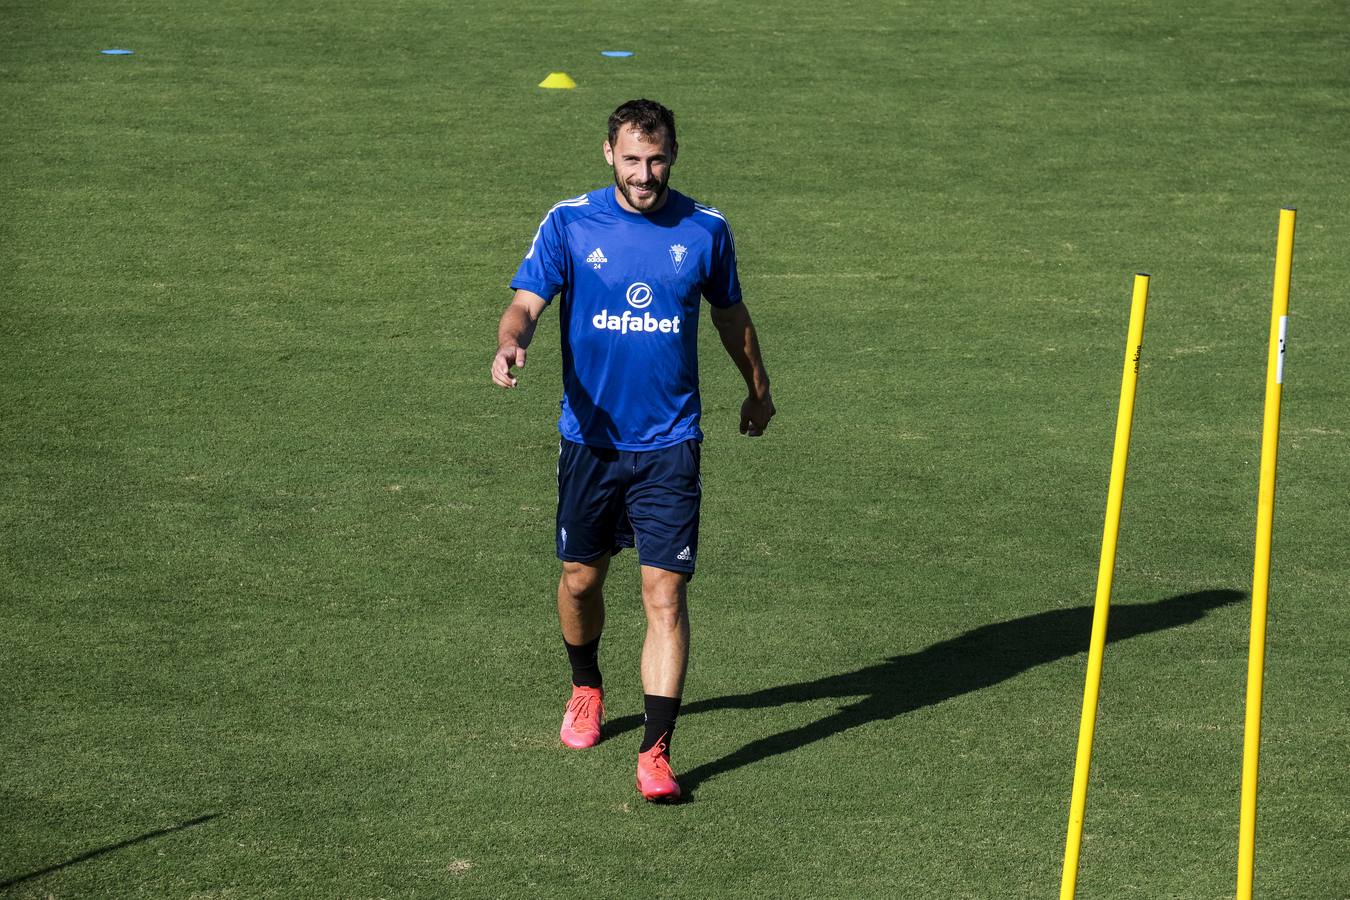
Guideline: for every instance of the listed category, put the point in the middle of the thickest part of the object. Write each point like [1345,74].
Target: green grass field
[277,563]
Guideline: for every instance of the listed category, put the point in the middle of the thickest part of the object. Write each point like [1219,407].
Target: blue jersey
[630,287]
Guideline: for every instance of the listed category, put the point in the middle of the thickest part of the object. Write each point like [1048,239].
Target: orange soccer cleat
[585,714]
[655,780]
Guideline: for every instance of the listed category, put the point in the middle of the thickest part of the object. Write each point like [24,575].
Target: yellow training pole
[1265,518]
[1105,570]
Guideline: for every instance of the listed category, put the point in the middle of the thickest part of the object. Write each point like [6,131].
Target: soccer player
[631,262]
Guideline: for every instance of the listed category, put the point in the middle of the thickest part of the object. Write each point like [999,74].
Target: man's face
[641,167]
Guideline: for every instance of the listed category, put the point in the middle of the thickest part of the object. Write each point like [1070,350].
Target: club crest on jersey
[677,254]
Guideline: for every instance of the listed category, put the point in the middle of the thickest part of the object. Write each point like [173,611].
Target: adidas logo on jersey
[597,258]
[684,555]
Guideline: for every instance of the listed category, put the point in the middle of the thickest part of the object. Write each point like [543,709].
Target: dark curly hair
[647,116]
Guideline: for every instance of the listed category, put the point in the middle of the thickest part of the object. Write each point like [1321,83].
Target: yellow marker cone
[559,81]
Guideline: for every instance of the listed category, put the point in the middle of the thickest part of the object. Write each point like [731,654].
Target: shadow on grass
[980,658]
[101,851]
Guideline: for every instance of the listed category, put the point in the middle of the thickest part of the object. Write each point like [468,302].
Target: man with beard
[630,263]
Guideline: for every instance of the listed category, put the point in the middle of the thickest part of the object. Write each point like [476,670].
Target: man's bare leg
[581,600]
[665,656]
[665,652]
[581,613]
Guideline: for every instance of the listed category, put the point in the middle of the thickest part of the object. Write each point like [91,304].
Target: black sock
[661,713]
[585,660]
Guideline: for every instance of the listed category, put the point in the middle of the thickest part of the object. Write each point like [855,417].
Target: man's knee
[582,582]
[663,593]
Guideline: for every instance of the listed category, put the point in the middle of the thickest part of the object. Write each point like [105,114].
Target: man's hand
[508,355]
[755,415]
[742,345]
[514,333]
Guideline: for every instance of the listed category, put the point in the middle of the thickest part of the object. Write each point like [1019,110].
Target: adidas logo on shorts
[684,555]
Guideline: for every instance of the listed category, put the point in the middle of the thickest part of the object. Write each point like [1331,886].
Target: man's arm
[742,344]
[514,333]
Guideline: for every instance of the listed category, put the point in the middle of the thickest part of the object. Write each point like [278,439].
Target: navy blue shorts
[611,499]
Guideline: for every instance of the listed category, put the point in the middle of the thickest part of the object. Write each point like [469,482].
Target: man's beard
[658,193]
